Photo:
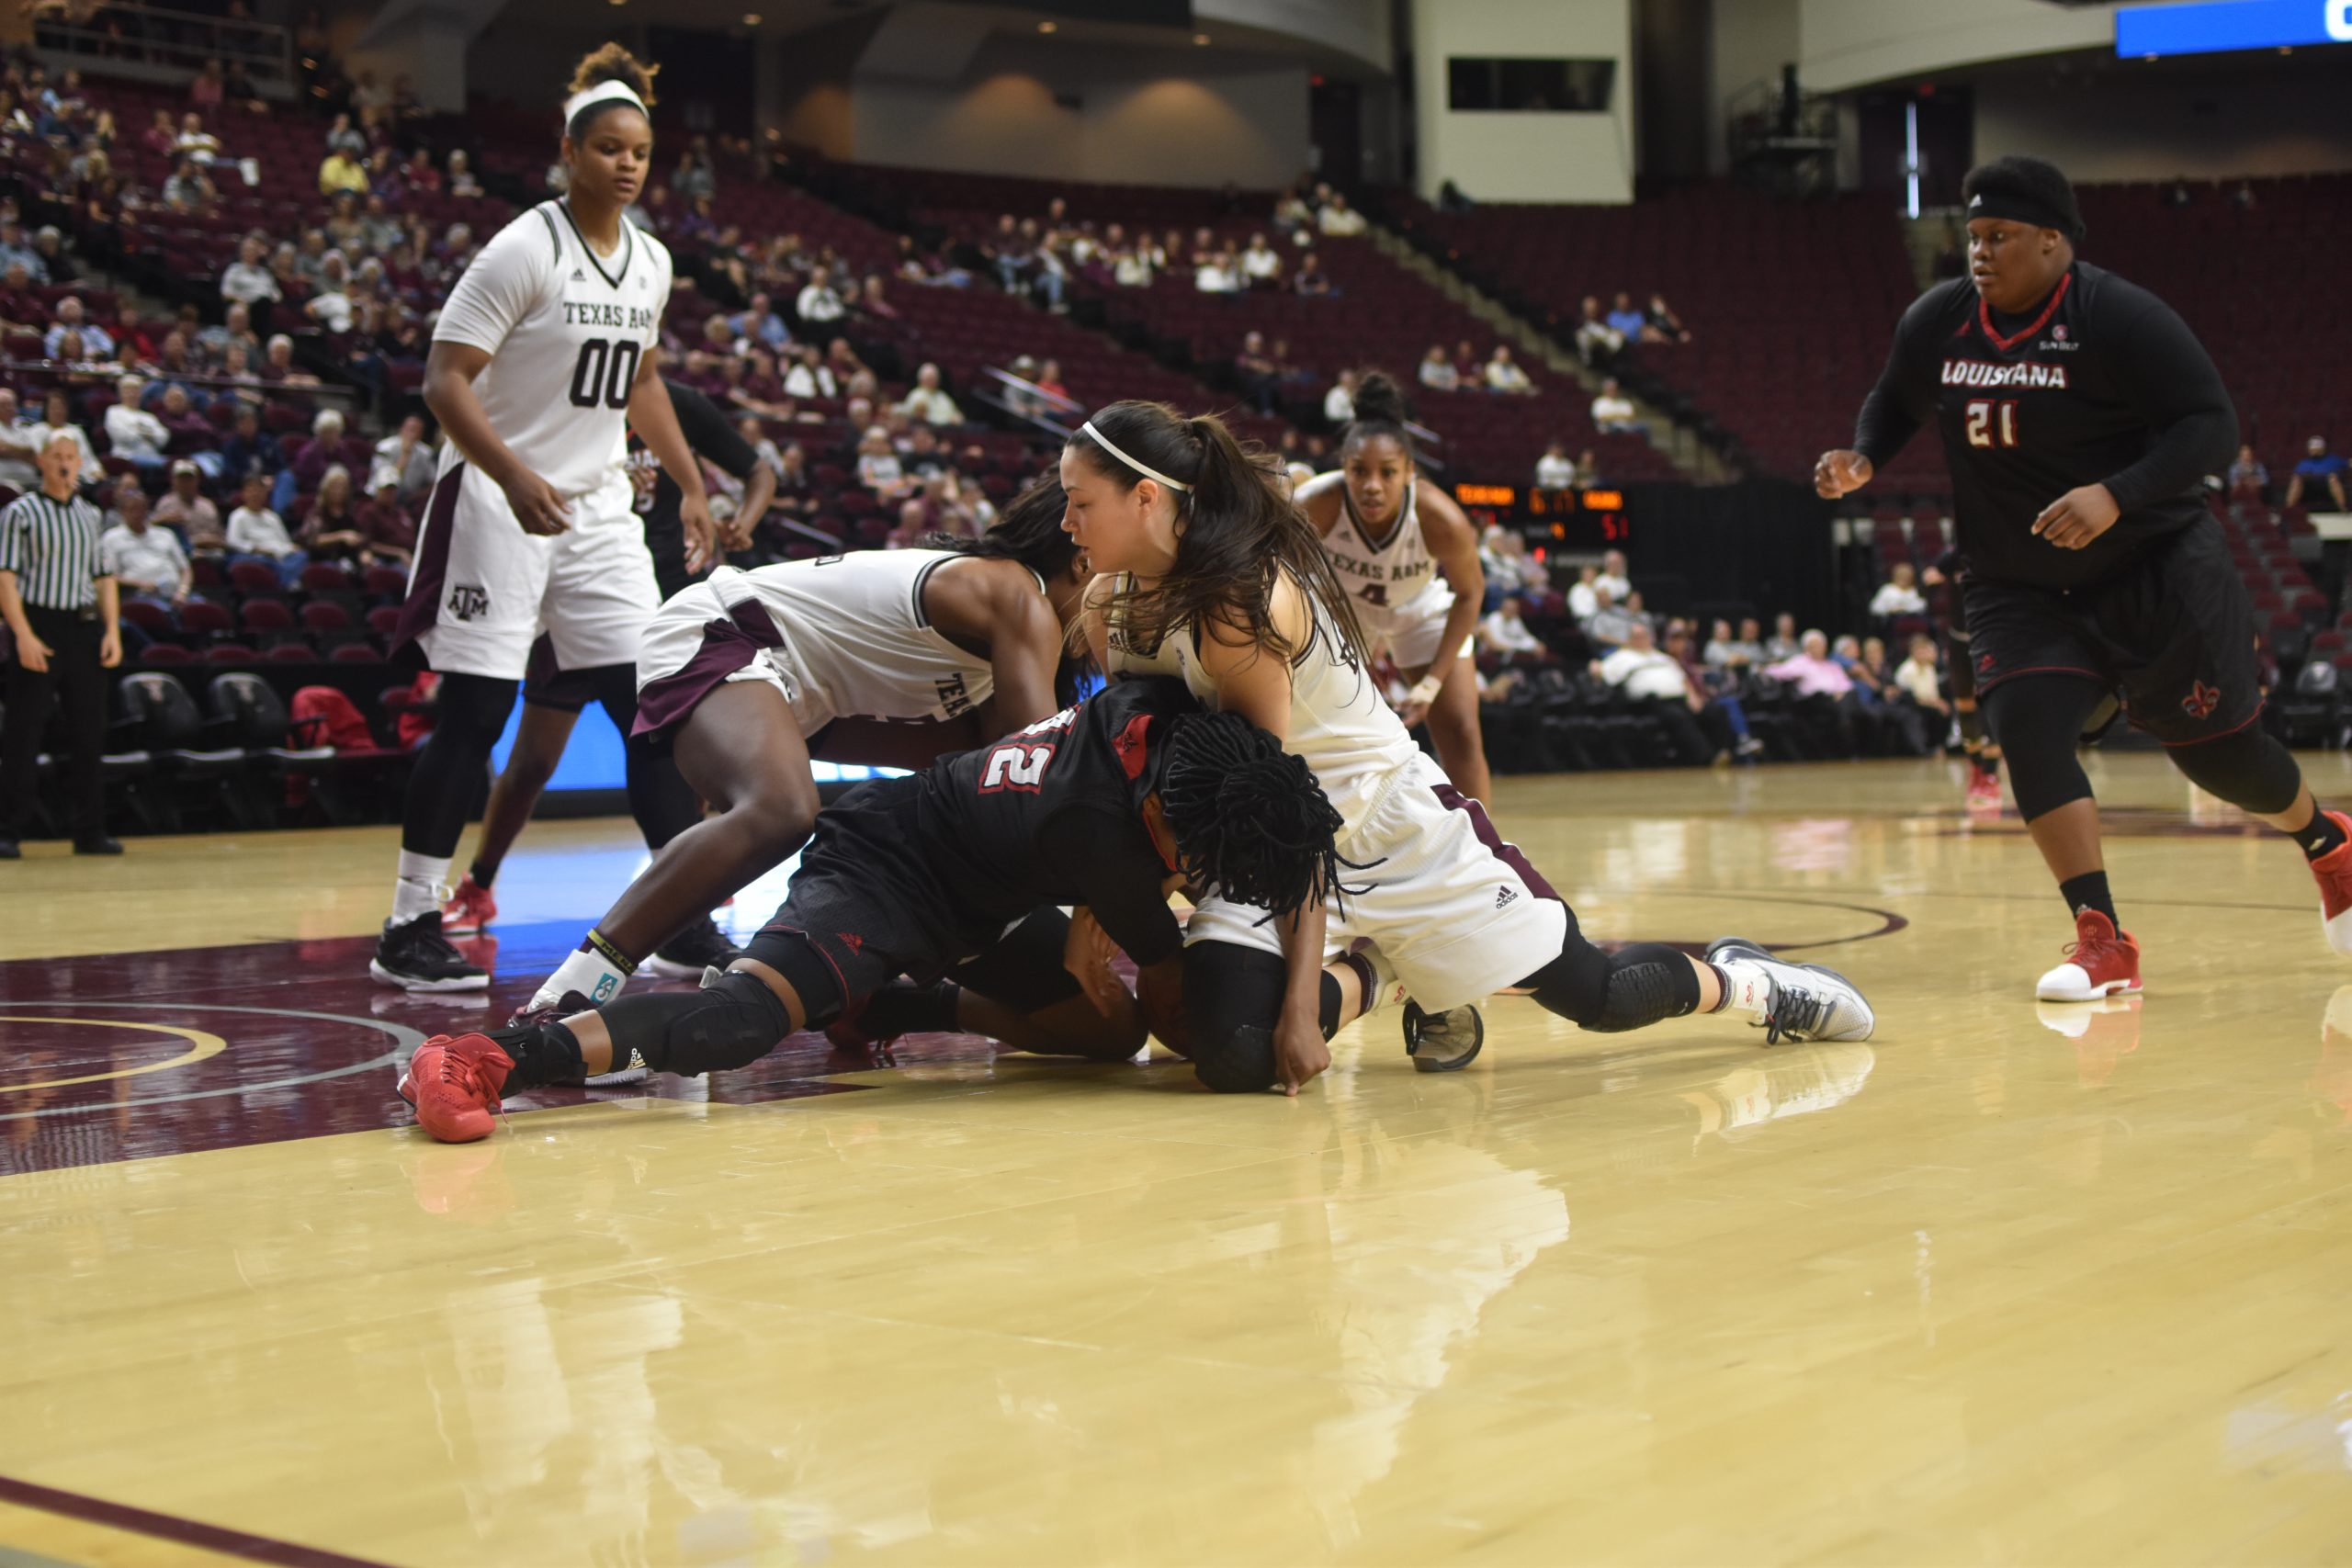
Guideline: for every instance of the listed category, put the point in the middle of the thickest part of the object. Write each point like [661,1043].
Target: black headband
[2023,206]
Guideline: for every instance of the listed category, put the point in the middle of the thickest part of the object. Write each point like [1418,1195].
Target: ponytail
[1238,534]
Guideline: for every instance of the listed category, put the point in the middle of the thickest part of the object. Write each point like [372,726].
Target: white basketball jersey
[1385,580]
[1338,721]
[566,330]
[858,634]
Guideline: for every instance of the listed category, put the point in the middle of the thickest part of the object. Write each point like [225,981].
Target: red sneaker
[469,908]
[454,1082]
[1984,790]
[2334,872]
[2101,961]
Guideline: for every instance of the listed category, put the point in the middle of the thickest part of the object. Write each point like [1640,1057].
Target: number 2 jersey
[1052,814]
[566,331]
[2101,383]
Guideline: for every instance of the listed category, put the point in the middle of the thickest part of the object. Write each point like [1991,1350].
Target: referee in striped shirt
[60,605]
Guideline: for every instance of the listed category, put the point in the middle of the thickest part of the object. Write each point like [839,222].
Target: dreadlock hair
[611,62]
[1380,410]
[1028,530]
[1250,819]
[1239,535]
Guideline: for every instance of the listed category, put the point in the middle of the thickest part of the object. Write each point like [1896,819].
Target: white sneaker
[1793,1001]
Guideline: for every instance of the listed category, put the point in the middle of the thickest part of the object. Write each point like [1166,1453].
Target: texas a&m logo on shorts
[467,600]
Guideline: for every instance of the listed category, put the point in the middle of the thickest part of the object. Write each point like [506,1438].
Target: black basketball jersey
[1053,815]
[2102,383]
[710,437]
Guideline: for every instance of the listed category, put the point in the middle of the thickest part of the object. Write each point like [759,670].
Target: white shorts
[711,633]
[1459,912]
[482,591]
[1409,634]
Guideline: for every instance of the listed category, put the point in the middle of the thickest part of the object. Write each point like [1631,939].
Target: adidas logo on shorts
[1504,896]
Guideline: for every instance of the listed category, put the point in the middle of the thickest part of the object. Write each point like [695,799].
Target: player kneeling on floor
[1108,806]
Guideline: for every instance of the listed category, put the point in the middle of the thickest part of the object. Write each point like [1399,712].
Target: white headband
[603,92]
[1104,441]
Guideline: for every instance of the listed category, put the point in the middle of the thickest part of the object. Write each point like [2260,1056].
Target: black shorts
[2172,635]
[870,912]
[546,687]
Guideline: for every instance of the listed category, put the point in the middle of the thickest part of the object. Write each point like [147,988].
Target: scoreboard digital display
[2210,27]
[1576,519]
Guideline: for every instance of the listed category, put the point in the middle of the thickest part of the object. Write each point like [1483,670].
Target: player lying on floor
[1107,806]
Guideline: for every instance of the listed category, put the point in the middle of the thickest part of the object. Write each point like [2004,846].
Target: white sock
[1746,986]
[590,972]
[418,890]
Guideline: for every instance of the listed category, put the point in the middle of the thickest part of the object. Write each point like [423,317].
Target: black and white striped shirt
[52,547]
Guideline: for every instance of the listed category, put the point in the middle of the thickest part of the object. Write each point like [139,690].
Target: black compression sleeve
[1905,394]
[2195,429]
[1120,875]
[708,433]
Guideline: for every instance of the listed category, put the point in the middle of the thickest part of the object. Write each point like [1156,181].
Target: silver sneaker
[1804,1001]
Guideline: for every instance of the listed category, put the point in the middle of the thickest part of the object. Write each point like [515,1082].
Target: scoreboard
[1570,519]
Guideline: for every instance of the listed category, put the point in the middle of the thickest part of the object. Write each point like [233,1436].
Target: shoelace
[459,1072]
[2091,950]
[1796,1014]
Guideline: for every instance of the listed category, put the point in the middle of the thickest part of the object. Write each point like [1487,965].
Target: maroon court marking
[173,1527]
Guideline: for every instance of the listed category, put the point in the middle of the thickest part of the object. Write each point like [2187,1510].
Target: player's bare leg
[540,738]
[1454,728]
[741,749]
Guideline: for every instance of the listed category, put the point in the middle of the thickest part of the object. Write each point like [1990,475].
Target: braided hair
[1250,819]
[1028,530]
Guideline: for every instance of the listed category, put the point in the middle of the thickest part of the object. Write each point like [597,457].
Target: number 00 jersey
[566,331]
[2102,384]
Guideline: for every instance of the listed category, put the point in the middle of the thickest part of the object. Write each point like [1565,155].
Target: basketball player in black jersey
[2079,417]
[1108,806]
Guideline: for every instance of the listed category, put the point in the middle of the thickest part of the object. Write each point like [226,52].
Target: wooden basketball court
[2005,1285]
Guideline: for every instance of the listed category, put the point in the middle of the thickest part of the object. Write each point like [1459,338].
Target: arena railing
[159,44]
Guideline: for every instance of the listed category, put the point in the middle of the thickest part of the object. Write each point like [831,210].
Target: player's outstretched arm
[1453,543]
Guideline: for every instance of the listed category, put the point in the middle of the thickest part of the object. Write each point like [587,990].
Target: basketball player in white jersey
[545,352]
[1409,562]
[892,658]
[1209,573]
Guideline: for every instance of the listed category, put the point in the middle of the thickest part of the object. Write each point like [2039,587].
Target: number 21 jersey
[566,331]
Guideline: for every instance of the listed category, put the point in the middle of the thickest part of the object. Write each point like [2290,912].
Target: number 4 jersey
[2100,384]
[566,331]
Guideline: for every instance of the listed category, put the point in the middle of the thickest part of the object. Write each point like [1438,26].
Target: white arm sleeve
[501,287]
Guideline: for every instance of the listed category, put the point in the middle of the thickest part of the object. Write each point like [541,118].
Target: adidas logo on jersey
[577,275]
[1504,896]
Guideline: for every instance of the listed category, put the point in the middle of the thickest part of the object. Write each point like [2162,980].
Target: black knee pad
[1633,989]
[2247,768]
[2039,722]
[1232,998]
[731,1022]
[813,975]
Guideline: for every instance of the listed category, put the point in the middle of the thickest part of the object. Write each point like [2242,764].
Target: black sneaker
[8,850]
[96,843]
[417,957]
[1443,1041]
[685,955]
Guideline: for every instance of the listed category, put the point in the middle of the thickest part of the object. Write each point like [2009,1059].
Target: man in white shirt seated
[1609,627]
[1503,375]
[135,434]
[1612,411]
[1613,576]
[1584,595]
[1505,635]
[1899,596]
[255,532]
[818,302]
[147,560]
[1261,266]
[1437,372]
[1337,219]
[1916,677]
[928,403]
[1646,675]
[1553,470]
[1339,402]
